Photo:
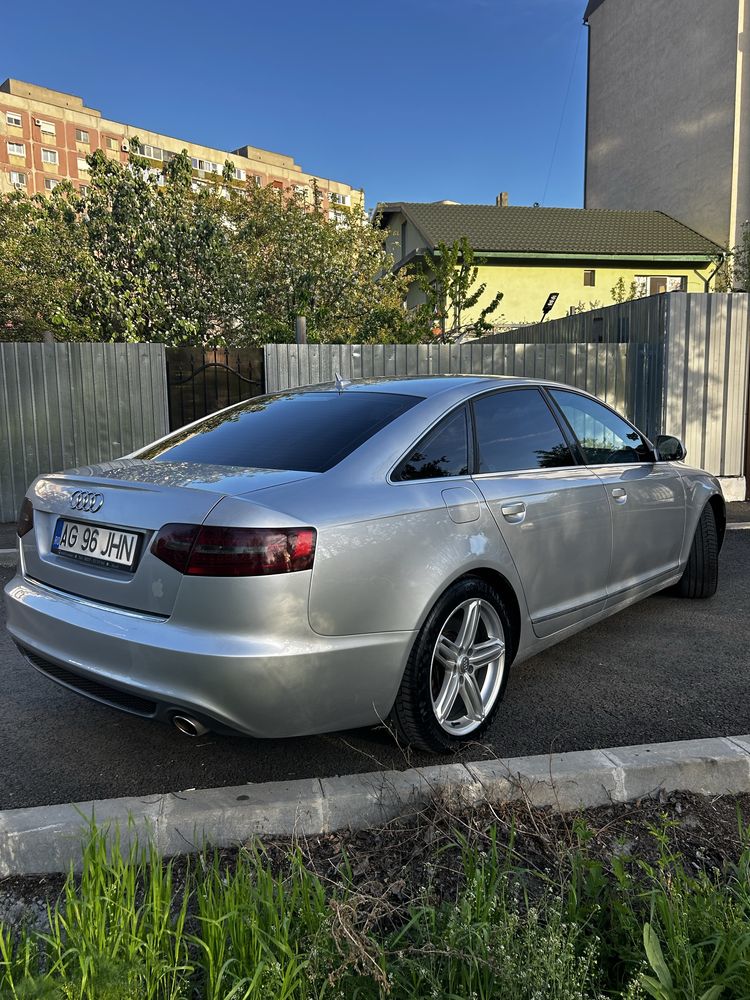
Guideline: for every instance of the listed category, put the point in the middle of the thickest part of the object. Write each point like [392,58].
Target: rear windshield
[304,431]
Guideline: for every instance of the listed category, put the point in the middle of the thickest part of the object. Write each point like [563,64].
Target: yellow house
[529,254]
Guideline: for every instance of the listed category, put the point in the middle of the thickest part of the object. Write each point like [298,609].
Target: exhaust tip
[189,726]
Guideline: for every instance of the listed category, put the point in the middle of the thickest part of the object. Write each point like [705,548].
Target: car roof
[419,385]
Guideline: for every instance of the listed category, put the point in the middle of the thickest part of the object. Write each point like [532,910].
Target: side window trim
[567,435]
[577,392]
[427,437]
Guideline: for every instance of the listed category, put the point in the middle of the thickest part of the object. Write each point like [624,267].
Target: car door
[646,497]
[551,510]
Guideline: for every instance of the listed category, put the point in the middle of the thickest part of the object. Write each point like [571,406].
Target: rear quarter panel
[384,573]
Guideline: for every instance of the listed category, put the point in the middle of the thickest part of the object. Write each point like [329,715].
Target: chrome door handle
[619,494]
[514,512]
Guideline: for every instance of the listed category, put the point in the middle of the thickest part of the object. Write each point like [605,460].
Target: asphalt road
[665,669]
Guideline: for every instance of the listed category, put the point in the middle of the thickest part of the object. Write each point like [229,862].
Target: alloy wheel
[468,664]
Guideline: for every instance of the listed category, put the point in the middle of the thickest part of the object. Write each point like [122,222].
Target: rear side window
[516,431]
[443,452]
[304,431]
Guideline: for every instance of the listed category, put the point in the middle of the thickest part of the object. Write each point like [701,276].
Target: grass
[480,925]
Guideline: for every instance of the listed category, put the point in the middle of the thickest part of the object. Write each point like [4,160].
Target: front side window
[604,436]
[443,452]
[517,432]
[308,431]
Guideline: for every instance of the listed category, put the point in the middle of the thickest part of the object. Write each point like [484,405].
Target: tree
[622,292]
[334,271]
[741,269]
[41,249]
[161,264]
[147,255]
[447,279]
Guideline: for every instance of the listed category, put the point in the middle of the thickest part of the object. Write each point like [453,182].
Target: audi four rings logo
[83,500]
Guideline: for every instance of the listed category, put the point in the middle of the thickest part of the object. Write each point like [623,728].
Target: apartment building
[668,124]
[45,136]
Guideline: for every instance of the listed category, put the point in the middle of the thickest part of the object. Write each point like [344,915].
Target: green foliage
[146,255]
[447,279]
[741,267]
[621,292]
[41,251]
[133,927]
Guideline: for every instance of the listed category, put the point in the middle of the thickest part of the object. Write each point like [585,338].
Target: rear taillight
[213,551]
[25,518]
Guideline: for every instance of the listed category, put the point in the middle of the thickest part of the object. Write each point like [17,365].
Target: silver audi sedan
[347,554]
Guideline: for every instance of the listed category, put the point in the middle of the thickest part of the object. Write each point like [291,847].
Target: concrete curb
[48,838]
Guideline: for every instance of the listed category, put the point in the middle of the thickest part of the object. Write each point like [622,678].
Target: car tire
[428,676]
[701,576]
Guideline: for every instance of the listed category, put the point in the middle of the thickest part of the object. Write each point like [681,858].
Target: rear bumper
[154,667]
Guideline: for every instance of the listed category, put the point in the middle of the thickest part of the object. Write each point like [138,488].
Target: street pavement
[665,669]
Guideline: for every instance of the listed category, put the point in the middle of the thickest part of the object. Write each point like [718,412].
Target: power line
[562,114]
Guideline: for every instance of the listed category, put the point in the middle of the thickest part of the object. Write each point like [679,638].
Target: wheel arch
[506,591]
[719,508]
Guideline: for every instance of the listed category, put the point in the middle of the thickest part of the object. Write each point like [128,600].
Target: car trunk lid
[137,497]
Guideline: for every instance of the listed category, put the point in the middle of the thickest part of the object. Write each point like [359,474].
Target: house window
[657,284]
[152,152]
[82,135]
[257,180]
[50,183]
[339,199]
[12,119]
[239,174]
[46,128]
[17,179]
[50,156]
[112,143]
[16,149]
[589,278]
[82,165]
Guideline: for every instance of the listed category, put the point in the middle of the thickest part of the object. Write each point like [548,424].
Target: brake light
[25,518]
[215,551]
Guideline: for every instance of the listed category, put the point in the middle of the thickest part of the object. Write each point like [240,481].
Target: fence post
[300,329]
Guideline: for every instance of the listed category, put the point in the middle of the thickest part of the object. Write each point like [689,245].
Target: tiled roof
[518,230]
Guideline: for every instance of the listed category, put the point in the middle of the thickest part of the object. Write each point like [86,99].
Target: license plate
[95,543]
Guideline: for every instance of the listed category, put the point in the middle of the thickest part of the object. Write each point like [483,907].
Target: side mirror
[670,449]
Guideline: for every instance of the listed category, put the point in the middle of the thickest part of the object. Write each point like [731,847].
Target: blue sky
[411,99]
